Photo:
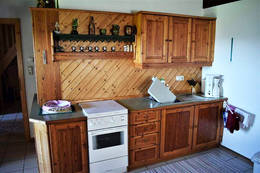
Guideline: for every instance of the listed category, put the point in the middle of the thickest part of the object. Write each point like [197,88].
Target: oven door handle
[106,131]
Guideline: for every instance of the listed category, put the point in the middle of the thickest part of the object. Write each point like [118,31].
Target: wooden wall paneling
[47,75]
[213,32]
[42,147]
[116,78]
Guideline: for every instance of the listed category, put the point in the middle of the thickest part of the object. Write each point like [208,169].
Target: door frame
[18,44]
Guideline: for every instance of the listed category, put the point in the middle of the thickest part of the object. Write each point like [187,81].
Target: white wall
[192,7]
[240,20]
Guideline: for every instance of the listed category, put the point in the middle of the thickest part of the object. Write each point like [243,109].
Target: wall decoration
[91,27]
[45,4]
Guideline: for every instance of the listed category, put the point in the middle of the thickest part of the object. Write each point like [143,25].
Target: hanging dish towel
[233,121]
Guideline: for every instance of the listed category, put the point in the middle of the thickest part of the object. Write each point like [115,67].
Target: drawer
[143,156]
[143,129]
[144,141]
[144,117]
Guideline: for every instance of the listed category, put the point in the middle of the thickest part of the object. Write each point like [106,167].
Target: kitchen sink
[190,97]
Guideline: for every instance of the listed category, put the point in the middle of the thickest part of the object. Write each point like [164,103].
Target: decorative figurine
[113,48]
[96,48]
[73,48]
[103,31]
[57,28]
[81,49]
[74,26]
[90,49]
[128,30]
[46,4]
[104,48]
[91,26]
[115,29]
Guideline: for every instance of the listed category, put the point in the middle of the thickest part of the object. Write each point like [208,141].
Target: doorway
[12,84]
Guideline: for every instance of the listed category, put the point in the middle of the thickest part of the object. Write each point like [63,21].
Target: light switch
[30,70]
[179,78]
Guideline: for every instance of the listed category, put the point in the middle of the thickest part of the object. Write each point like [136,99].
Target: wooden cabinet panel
[143,129]
[176,131]
[144,117]
[68,147]
[155,33]
[143,156]
[202,35]
[206,125]
[144,141]
[47,75]
[179,39]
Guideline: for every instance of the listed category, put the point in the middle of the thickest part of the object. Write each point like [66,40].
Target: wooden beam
[212,3]
[7,58]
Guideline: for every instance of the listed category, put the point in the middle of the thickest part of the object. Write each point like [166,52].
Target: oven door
[107,143]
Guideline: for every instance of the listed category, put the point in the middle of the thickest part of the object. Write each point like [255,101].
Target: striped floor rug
[213,161]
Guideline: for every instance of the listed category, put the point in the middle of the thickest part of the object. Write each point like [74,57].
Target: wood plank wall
[110,78]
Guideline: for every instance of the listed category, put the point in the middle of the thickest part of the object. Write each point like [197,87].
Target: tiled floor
[17,156]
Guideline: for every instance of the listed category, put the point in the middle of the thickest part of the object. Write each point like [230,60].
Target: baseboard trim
[237,154]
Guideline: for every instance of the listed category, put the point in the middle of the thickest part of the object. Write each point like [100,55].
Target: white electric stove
[107,136]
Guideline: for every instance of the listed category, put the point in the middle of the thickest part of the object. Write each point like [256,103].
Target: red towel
[233,121]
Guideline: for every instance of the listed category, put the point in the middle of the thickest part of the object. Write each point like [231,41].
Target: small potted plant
[115,29]
[74,27]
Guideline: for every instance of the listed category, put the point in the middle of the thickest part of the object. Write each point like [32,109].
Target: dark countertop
[144,103]
[48,119]
[132,104]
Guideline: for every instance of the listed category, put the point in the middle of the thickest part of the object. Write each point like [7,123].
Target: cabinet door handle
[44,58]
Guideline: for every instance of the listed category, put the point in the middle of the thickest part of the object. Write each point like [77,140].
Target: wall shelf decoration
[93,38]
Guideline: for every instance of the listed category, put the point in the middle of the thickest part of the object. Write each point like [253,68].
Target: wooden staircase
[8,53]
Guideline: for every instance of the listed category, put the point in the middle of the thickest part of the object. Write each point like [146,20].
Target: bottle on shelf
[91,26]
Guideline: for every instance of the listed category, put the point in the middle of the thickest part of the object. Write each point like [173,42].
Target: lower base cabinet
[61,147]
[183,130]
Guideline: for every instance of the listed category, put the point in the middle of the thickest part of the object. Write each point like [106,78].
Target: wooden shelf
[93,38]
[60,56]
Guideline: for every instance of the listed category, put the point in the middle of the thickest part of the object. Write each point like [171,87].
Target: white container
[256,160]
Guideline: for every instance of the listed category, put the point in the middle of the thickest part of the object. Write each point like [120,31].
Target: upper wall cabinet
[167,39]
[203,37]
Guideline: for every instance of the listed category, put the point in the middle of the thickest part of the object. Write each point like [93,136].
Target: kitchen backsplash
[117,78]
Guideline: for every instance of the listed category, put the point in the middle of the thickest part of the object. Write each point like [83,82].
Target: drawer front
[142,129]
[144,117]
[144,155]
[144,141]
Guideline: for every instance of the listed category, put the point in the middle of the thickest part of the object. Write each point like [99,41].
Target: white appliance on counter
[211,86]
[160,92]
[107,136]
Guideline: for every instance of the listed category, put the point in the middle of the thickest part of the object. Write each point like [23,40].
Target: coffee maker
[212,85]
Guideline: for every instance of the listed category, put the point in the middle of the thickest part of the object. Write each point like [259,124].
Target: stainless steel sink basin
[190,97]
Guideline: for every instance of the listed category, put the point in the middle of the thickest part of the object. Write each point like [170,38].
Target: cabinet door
[179,39]
[68,147]
[176,131]
[154,36]
[206,126]
[202,34]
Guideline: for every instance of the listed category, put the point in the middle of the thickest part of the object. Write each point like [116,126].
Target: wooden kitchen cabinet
[68,146]
[61,147]
[207,126]
[176,131]
[154,35]
[203,38]
[144,137]
[164,40]
[179,39]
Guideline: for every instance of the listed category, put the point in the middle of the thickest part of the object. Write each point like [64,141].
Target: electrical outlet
[30,70]
[179,78]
